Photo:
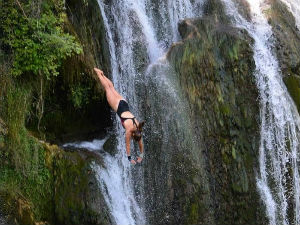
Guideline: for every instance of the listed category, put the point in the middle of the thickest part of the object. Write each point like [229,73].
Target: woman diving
[133,129]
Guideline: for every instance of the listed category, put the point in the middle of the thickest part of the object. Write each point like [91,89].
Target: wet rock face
[85,20]
[216,9]
[73,195]
[3,131]
[287,46]
[77,195]
[292,83]
[243,8]
[214,65]
[15,209]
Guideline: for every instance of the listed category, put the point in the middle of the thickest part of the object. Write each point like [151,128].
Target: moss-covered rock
[70,195]
[3,131]
[77,197]
[214,65]
[85,20]
[16,209]
[215,8]
[287,46]
[293,85]
[110,144]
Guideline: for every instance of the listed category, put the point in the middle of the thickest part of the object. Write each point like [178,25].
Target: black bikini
[124,107]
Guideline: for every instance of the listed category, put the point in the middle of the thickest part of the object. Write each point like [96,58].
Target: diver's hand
[139,159]
[132,162]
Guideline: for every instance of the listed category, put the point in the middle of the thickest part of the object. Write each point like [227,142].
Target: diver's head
[137,134]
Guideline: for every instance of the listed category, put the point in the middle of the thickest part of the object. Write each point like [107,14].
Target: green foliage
[193,214]
[80,95]
[37,40]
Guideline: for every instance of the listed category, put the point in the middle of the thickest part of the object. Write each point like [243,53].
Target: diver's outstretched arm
[127,141]
[141,147]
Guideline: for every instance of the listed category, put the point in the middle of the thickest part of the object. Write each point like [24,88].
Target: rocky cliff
[287,46]
[214,67]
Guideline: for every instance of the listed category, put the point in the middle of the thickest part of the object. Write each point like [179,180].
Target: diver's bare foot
[99,72]
[132,162]
[139,159]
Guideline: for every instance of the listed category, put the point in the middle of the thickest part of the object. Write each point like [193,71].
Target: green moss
[35,186]
[233,153]
[193,215]
[24,175]
[293,85]
[225,109]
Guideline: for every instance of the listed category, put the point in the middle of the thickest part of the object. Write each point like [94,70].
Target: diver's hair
[137,135]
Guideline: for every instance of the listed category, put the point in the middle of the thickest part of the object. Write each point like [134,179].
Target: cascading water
[278,177]
[137,38]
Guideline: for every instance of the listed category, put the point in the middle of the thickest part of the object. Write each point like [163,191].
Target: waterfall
[137,39]
[130,31]
[278,175]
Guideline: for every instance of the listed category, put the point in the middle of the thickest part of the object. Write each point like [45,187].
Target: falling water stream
[278,177]
[137,40]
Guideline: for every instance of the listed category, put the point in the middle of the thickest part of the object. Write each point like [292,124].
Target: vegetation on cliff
[33,33]
[35,47]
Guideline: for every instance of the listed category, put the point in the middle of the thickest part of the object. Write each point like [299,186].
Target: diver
[133,129]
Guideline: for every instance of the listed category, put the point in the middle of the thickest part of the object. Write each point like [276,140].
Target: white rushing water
[278,177]
[93,145]
[137,37]
[294,7]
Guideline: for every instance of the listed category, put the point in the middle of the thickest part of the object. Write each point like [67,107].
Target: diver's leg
[112,96]
[116,93]
[103,82]
[102,78]
[110,84]
[113,100]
